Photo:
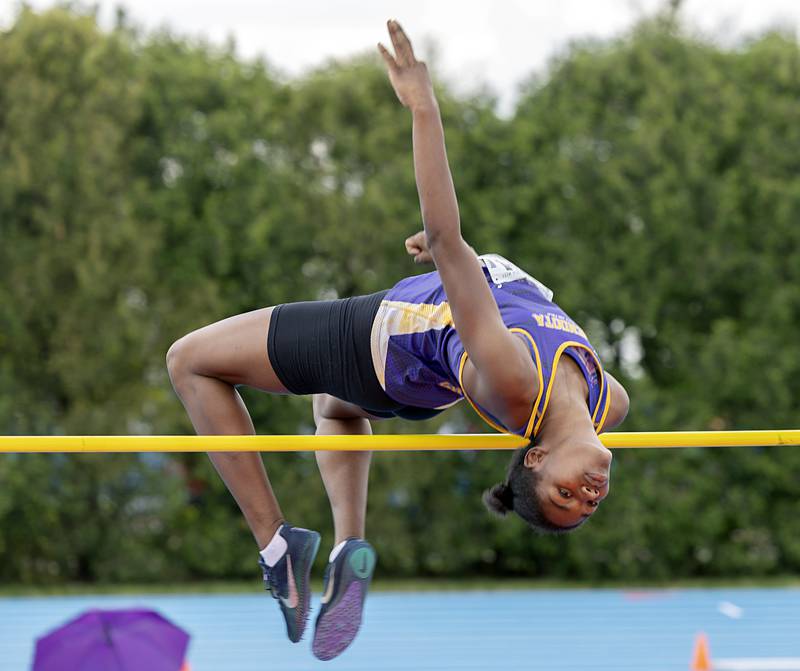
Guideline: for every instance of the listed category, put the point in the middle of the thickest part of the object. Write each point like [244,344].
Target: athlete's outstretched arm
[503,366]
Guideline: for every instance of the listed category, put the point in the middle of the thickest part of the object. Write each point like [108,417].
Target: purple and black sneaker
[288,581]
[347,580]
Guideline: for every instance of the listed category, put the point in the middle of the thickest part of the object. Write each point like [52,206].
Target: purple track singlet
[419,358]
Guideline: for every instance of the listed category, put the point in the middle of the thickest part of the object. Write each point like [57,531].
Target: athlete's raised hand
[408,76]
[417,246]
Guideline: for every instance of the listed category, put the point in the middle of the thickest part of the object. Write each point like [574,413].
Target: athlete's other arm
[619,403]
[503,366]
[417,246]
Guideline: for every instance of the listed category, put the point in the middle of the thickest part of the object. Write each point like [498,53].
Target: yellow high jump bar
[385,443]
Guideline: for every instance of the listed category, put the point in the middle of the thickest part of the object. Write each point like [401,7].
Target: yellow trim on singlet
[601,373]
[599,427]
[540,390]
[489,421]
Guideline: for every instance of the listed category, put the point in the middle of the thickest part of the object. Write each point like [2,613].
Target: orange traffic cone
[701,657]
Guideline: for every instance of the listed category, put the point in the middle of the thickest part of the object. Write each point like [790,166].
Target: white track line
[757,664]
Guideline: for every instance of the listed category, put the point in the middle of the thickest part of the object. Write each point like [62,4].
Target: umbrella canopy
[113,640]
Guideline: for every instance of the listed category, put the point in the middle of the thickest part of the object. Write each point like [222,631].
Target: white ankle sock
[275,549]
[335,552]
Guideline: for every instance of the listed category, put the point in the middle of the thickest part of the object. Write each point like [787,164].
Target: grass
[396,585]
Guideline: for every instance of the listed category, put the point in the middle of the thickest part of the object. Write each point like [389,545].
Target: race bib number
[501,270]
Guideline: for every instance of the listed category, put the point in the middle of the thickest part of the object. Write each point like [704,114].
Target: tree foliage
[150,185]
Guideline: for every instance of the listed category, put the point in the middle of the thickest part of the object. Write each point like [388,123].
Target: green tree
[150,185]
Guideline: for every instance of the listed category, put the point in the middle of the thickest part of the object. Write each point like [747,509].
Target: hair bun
[499,499]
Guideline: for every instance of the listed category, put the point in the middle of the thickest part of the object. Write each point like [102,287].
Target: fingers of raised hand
[417,240]
[401,43]
[387,57]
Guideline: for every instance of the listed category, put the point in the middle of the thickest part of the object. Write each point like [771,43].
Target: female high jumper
[477,328]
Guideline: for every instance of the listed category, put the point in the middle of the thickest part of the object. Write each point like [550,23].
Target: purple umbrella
[113,640]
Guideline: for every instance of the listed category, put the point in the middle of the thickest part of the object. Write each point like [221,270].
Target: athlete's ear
[534,457]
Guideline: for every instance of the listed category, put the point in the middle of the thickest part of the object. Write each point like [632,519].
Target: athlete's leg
[204,367]
[348,575]
[345,474]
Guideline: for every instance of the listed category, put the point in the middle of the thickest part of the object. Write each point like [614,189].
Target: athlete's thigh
[330,407]
[235,350]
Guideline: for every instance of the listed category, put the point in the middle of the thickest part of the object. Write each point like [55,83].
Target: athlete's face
[574,479]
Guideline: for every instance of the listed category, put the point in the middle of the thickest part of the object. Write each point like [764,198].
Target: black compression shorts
[323,347]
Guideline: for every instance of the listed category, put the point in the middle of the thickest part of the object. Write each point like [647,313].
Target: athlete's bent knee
[179,360]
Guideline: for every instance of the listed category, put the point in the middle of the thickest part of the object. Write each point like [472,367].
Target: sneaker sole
[339,624]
